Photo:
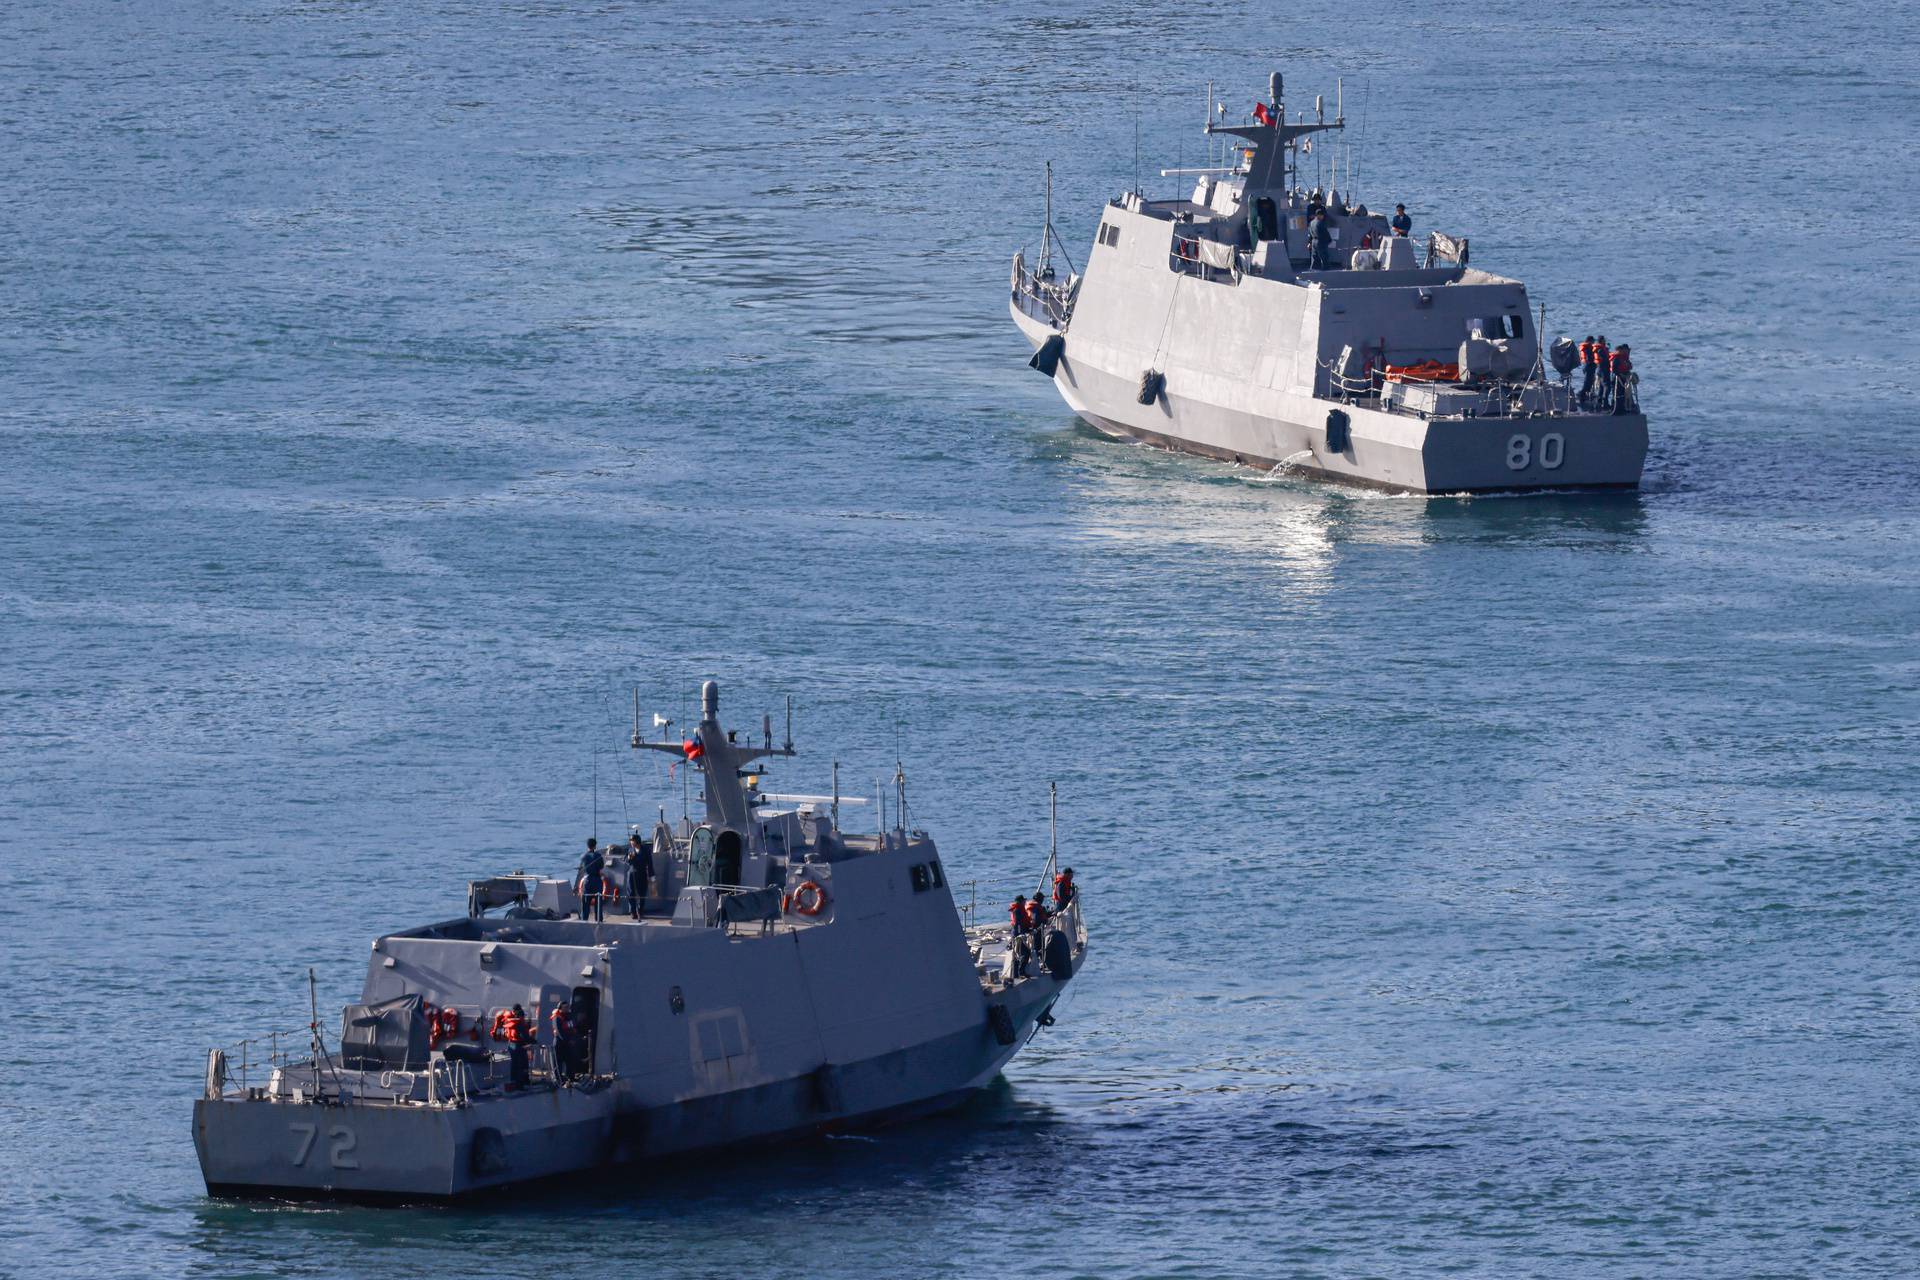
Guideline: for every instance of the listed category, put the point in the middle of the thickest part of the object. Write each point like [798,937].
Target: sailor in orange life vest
[1062,890]
[513,1027]
[1622,388]
[566,1042]
[1602,361]
[1017,935]
[1587,370]
[1037,915]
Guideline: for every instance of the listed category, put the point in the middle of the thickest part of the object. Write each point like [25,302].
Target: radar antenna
[900,790]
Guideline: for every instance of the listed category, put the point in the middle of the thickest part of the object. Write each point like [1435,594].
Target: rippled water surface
[1494,887]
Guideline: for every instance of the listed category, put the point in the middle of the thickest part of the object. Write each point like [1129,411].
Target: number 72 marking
[306,1134]
[340,1145]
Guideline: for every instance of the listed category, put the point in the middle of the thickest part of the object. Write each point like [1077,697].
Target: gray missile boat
[1204,324]
[783,977]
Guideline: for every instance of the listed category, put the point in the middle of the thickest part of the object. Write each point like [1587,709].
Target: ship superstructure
[780,976]
[1210,324]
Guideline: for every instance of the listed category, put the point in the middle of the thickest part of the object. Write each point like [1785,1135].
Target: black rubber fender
[488,1154]
[824,1089]
[1339,431]
[1002,1023]
[1058,956]
[1047,358]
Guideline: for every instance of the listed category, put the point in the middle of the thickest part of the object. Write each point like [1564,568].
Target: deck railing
[1041,295]
[1495,398]
[236,1065]
[250,1066]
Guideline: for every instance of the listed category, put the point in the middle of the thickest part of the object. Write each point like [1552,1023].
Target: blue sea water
[1485,887]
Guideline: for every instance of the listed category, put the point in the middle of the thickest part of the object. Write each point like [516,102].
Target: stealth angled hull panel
[1245,343]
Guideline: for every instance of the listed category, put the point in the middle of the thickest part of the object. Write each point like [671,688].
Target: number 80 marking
[1553,451]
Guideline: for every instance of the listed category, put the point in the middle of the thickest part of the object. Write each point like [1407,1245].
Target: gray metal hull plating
[282,1149]
[1236,419]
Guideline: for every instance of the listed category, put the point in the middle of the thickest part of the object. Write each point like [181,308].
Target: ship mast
[1046,227]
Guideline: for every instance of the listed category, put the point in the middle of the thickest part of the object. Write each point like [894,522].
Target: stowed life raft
[1425,371]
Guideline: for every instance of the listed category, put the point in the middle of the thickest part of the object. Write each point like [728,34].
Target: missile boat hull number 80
[1520,452]
[1233,317]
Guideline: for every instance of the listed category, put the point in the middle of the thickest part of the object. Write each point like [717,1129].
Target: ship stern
[381,1151]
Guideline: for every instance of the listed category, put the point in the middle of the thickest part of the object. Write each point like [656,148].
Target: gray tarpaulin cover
[754,904]
[1215,254]
[390,1035]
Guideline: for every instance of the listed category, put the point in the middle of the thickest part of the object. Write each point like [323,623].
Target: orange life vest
[1062,891]
[1036,912]
[1017,911]
[1586,353]
[1622,366]
[511,1027]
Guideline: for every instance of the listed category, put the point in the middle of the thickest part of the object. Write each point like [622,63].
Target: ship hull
[1235,420]
[266,1147]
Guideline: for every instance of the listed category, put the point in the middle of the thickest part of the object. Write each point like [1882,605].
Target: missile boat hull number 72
[774,975]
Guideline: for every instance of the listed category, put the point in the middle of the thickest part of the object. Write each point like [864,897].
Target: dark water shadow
[1604,521]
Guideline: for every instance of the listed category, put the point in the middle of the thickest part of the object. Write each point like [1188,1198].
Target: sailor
[1037,915]
[1063,890]
[592,883]
[1588,367]
[566,1042]
[1017,936]
[639,871]
[512,1027]
[1602,361]
[1402,225]
[1622,373]
[1318,237]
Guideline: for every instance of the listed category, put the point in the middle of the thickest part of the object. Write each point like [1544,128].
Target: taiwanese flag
[1263,115]
[693,748]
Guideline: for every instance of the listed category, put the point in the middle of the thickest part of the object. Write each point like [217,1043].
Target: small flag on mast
[1263,115]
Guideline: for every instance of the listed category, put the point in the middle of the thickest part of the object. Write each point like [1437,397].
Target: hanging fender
[1047,358]
[1339,434]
